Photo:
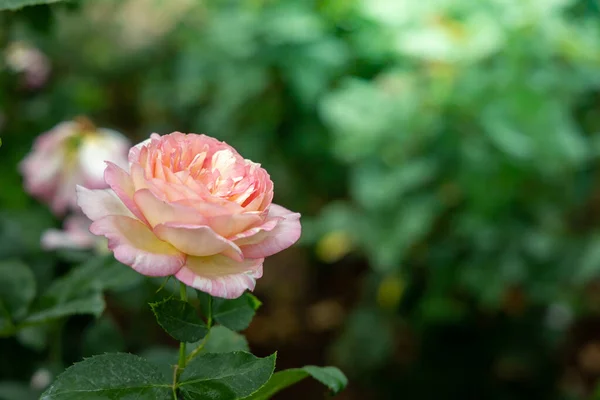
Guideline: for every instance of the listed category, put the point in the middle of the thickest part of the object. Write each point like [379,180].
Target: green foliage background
[450,147]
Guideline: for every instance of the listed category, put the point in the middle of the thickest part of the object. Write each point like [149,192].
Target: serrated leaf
[91,304]
[16,4]
[331,377]
[225,376]
[110,376]
[235,314]
[179,319]
[17,290]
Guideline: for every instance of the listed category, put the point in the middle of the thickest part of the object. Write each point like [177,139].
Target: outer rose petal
[266,243]
[100,203]
[220,276]
[121,183]
[197,240]
[135,245]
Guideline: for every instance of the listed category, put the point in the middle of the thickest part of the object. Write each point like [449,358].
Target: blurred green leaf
[17,291]
[102,336]
[92,303]
[97,274]
[16,4]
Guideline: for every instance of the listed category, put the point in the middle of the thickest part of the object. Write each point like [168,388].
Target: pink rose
[75,235]
[191,206]
[71,154]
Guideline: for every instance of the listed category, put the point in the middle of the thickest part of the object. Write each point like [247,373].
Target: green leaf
[225,376]
[331,377]
[224,340]
[98,274]
[235,314]
[221,340]
[91,304]
[16,4]
[164,358]
[110,376]
[179,319]
[17,290]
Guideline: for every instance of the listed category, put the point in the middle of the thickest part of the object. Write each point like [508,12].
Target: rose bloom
[191,206]
[71,154]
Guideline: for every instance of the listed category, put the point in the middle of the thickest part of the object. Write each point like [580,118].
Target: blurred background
[444,154]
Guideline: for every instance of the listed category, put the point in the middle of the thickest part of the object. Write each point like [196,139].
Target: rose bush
[191,206]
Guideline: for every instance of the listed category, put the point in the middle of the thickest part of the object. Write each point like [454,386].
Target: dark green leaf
[179,319]
[225,376]
[235,314]
[164,358]
[17,290]
[16,4]
[224,340]
[110,376]
[331,377]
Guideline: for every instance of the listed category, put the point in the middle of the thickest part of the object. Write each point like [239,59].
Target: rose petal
[100,203]
[220,276]
[135,245]
[134,152]
[266,243]
[121,183]
[197,240]
[157,211]
[229,225]
[245,237]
